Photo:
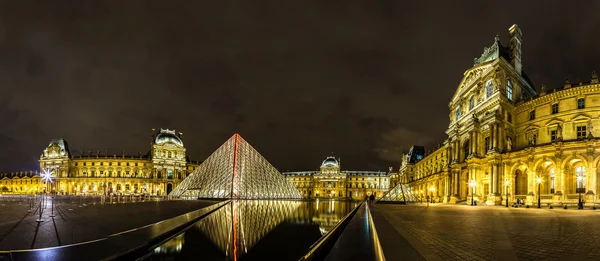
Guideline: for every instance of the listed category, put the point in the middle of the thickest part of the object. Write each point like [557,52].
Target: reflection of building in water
[174,245]
[156,172]
[238,226]
[325,213]
[331,182]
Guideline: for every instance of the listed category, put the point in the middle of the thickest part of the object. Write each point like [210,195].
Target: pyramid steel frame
[236,170]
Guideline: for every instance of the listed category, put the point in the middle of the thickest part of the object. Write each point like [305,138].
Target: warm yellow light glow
[431,189]
[539,180]
[506,182]
[472,183]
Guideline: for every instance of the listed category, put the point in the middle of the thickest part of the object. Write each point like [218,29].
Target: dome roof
[168,136]
[330,162]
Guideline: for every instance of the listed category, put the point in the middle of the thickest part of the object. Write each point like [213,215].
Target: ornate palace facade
[331,182]
[505,139]
[156,173]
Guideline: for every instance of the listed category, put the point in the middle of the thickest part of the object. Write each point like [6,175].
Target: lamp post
[47,177]
[539,182]
[472,184]
[579,180]
[432,189]
[506,193]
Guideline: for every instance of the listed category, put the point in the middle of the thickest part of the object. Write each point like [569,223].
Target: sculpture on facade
[531,138]
[559,131]
[590,129]
[508,144]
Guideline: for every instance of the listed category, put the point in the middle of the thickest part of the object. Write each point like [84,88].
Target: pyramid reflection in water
[400,194]
[238,226]
[252,227]
[236,170]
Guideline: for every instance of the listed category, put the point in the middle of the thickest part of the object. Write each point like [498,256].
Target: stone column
[456,150]
[494,135]
[501,138]
[472,142]
[476,143]
[496,178]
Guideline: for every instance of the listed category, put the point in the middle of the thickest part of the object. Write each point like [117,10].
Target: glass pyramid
[399,194]
[236,170]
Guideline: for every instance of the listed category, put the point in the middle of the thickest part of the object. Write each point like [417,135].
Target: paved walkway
[459,232]
[78,219]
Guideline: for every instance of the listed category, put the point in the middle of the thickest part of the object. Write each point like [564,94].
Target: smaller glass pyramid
[399,194]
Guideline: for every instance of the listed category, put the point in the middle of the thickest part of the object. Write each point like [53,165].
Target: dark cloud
[299,80]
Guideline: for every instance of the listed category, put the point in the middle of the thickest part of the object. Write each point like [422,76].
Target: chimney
[515,47]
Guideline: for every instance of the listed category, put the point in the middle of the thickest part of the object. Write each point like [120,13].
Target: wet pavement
[79,219]
[460,232]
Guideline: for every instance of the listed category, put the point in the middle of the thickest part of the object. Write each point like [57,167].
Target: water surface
[256,230]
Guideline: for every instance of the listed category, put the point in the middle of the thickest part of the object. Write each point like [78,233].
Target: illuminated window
[472,103]
[580,179]
[555,108]
[170,174]
[532,115]
[488,89]
[581,132]
[580,103]
[509,90]
[458,113]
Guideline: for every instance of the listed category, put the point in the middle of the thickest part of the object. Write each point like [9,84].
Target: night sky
[299,80]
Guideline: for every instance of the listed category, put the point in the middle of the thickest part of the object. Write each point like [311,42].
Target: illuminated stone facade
[505,138]
[155,173]
[331,182]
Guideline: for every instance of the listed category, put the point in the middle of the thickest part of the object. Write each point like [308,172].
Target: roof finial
[594,77]
[497,38]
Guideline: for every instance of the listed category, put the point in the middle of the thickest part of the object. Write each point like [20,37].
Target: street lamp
[506,185]
[579,181]
[46,176]
[432,189]
[472,184]
[539,182]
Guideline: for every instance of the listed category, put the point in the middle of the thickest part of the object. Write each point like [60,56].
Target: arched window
[472,103]
[458,113]
[552,181]
[509,90]
[580,176]
[488,89]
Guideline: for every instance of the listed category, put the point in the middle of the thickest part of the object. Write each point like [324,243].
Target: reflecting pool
[256,230]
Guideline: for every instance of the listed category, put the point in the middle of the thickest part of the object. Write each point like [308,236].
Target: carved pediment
[581,117]
[532,128]
[470,77]
[554,122]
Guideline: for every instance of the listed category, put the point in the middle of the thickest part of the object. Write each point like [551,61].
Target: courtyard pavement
[461,232]
[79,219]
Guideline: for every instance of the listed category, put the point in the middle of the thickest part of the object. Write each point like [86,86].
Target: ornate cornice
[558,95]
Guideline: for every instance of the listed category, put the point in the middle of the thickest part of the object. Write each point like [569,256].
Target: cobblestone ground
[458,232]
